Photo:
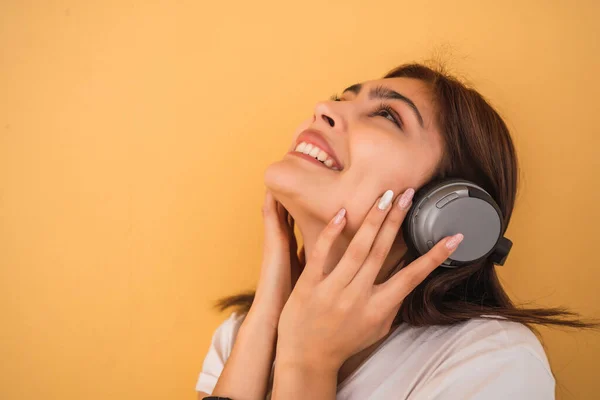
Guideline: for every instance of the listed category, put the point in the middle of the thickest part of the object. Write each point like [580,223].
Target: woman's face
[372,152]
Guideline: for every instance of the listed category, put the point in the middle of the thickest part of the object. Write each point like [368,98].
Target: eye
[386,111]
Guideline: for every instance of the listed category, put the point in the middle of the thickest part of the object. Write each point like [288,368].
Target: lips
[316,138]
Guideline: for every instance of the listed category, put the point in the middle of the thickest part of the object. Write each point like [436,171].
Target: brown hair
[479,148]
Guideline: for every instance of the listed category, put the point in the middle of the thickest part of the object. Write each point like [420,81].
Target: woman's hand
[280,267]
[330,317]
[255,341]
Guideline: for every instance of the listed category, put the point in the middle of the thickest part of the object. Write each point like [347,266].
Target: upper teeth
[314,151]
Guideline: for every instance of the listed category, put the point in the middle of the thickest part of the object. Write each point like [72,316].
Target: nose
[327,112]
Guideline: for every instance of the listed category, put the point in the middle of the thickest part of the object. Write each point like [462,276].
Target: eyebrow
[382,92]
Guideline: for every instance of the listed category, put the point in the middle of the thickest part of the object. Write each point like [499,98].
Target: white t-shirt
[473,360]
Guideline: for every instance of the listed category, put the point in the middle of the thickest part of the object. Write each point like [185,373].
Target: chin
[282,178]
[299,189]
[293,174]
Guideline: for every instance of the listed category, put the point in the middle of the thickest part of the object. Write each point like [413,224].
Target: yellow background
[133,140]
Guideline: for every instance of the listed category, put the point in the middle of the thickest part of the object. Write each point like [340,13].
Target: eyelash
[382,107]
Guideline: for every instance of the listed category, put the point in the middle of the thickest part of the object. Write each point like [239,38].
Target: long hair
[479,148]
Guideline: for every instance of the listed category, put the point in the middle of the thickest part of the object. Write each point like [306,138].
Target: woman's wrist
[264,317]
[299,379]
[247,370]
[259,332]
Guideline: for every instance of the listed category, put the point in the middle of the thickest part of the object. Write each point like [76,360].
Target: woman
[368,318]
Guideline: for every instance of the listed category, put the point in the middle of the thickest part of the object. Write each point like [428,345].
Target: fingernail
[339,216]
[385,200]
[454,241]
[406,198]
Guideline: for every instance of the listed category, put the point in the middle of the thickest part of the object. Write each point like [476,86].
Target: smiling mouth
[318,154]
[310,159]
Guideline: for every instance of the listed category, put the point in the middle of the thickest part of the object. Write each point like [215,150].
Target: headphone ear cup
[444,207]
[408,226]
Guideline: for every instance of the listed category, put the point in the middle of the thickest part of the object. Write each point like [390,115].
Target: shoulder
[219,351]
[486,359]
[502,333]
[225,334]
[233,322]
[482,358]
[498,340]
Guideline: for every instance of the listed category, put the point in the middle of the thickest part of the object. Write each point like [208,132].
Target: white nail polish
[453,243]
[385,200]
[338,217]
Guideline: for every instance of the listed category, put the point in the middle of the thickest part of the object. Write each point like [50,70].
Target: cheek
[374,144]
[371,177]
[382,163]
[356,211]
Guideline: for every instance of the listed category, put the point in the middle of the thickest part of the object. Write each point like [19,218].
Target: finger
[269,205]
[315,262]
[271,216]
[383,242]
[361,243]
[294,259]
[281,213]
[293,242]
[390,294]
[291,225]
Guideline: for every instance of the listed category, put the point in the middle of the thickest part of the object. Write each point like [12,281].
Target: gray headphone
[445,207]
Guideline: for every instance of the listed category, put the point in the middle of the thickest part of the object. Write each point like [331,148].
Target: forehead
[414,89]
